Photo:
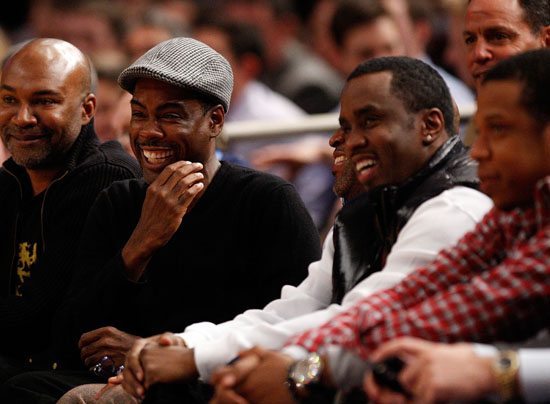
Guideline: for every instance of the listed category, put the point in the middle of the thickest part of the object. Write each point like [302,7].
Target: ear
[433,126]
[545,37]
[216,117]
[88,108]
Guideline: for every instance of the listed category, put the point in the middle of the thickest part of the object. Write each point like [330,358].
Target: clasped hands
[161,358]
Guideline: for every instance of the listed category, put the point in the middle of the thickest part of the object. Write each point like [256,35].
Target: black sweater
[248,235]
[89,168]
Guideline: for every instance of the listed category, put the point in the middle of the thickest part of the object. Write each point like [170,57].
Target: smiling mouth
[339,160]
[157,156]
[364,165]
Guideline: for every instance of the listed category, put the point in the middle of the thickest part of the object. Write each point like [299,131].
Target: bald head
[55,57]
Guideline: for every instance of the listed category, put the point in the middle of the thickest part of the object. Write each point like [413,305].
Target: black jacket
[367,227]
[89,168]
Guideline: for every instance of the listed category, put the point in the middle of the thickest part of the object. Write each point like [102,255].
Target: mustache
[27,132]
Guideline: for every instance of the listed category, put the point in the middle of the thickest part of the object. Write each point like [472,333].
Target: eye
[137,114]
[46,101]
[497,37]
[470,39]
[8,99]
[369,122]
[170,116]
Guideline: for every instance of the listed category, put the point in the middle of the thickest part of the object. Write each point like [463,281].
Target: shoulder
[127,189]
[449,214]
[111,157]
[466,200]
[249,177]
[116,155]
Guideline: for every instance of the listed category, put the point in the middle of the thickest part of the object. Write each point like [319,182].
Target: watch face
[306,371]
[505,363]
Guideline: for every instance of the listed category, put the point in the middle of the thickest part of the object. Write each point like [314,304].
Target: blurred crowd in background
[289,58]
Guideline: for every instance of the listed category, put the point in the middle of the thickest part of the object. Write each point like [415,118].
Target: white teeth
[339,159]
[361,165]
[157,154]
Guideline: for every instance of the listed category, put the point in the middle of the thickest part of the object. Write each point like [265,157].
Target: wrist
[135,258]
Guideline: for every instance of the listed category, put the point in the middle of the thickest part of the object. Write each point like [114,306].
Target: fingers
[132,385]
[133,363]
[170,339]
[242,368]
[107,387]
[172,173]
[179,183]
[380,395]
[89,337]
[186,166]
[237,372]
[402,347]
[227,396]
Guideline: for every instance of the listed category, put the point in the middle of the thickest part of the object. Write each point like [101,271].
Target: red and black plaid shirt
[494,285]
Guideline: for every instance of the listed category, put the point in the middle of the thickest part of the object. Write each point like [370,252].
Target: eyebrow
[365,110]
[490,30]
[40,92]
[169,104]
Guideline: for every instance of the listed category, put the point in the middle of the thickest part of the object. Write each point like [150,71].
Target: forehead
[154,91]
[372,89]
[494,13]
[33,72]
[499,99]
[378,30]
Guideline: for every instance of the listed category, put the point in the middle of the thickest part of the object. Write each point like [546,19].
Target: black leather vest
[367,226]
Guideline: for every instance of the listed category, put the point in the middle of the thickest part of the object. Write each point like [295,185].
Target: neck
[209,171]
[40,179]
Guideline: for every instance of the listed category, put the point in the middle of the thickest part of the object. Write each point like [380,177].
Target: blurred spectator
[90,25]
[455,51]
[150,29]
[425,17]
[364,30]
[108,66]
[317,33]
[292,69]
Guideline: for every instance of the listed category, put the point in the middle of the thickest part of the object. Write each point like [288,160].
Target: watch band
[505,368]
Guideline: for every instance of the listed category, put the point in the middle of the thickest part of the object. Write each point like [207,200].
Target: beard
[44,155]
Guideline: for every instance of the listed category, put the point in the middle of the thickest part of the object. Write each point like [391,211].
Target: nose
[480,52]
[354,140]
[151,130]
[336,139]
[480,149]
[24,117]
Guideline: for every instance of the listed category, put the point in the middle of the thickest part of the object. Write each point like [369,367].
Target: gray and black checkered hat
[185,63]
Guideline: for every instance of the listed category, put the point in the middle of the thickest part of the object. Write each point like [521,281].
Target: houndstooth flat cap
[185,63]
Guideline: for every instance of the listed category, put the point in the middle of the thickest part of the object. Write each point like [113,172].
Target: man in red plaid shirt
[494,285]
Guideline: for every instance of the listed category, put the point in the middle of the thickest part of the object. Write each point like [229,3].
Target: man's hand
[257,377]
[106,341]
[140,368]
[167,200]
[434,372]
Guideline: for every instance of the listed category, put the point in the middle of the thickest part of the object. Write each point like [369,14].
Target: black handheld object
[385,374]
